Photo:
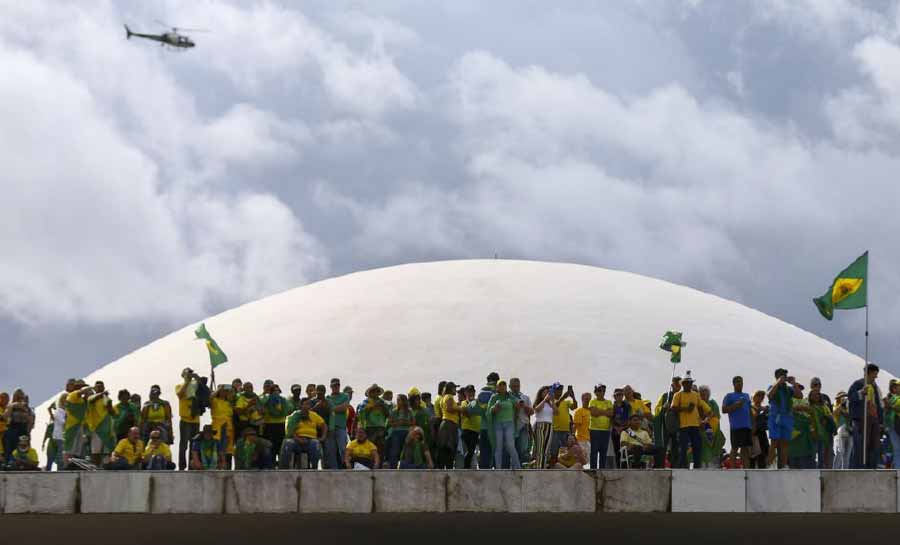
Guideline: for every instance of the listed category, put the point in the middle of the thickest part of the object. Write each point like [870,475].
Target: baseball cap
[413,392]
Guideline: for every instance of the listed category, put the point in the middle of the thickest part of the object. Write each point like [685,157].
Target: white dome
[417,324]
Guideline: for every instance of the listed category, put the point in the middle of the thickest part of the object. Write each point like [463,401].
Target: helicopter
[171,38]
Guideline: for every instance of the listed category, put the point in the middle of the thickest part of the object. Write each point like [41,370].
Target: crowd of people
[461,427]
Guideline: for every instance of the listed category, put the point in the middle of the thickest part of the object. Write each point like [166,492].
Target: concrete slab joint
[859,491]
[410,492]
[40,493]
[336,491]
[200,492]
[559,491]
[115,492]
[262,492]
[486,491]
[784,492]
[695,491]
[623,491]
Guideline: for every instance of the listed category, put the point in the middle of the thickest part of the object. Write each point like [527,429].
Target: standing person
[736,405]
[222,412]
[188,422]
[621,418]
[802,443]
[665,427]
[275,410]
[562,418]
[781,418]
[248,409]
[712,437]
[351,412]
[55,441]
[502,409]
[19,419]
[157,415]
[336,440]
[635,405]
[815,386]
[866,412]
[4,403]
[76,407]
[127,415]
[892,419]
[99,420]
[524,410]
[471,425]
[601,410]
[543,426]
[823,424]
[400,421]
[581,421]
[373,418]
[448,432]
[420,413]
[690,408]
[436,418]
[760,421]
[485,449]
[843,447]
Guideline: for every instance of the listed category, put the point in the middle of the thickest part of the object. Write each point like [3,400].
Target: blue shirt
[740,417]
[783,402]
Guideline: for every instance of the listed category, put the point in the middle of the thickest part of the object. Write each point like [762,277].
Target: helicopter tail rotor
[128,32]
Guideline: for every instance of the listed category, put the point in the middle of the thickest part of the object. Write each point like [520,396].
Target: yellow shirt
[97,411]
[221,409]
[637,407]
[642,439]
[30,455]
[600,423]
[3,424]
[451,417]
[687,419]
[582,420]
[184,407]
[252,415]
[130,451]
[471,422]
[161,449]
[362,450]
[562,418]
[308,428]
[156,415]
[438,411]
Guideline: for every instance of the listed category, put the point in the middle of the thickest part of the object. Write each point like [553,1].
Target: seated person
[24,458]
[415,454]
[361,451]
[206,451]
[636,440]
[157,455]
[252,451]
[571,456]
[128,452]
[307,432]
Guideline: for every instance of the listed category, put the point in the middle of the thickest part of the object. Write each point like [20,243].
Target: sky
[746,148]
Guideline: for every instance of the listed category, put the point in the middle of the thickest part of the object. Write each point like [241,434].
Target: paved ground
[706,528]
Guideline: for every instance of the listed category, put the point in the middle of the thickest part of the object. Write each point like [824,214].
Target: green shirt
[401,421]
[507,408]
[413,453]
[129,416]
[337,420]
[371,417]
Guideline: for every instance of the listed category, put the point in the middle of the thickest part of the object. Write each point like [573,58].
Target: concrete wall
[454,491]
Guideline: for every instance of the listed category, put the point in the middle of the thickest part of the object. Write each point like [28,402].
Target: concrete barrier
[859,491]
[262,492]
[485,491]
[784,491]
[709,491]
[634,491]
[40,492]
[201,492]
[559,491]
[410,492]
[115,492]
[336,491]
[2,494]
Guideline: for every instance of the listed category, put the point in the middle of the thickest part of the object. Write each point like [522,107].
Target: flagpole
[865,459]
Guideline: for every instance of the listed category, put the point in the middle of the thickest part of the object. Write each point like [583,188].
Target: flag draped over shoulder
[672,343]
[216,356]
[848,290]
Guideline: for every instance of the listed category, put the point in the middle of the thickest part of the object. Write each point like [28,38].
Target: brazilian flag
[216,356]
[672,343]
[848,290]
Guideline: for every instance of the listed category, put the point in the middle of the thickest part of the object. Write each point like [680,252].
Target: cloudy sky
[745,148]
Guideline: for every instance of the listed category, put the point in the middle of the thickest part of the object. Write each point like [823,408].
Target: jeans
[275,434]
[395,443]
[55,454]
[407,465]
[335,446]
[11,438]
[843,450]
[505,442]
[186,432]
[895,445]
[159,463]
[122,465]
[485,455]
[557,439]
[523,445]
[599,446]
[670,445]
[294,446]
[689,437]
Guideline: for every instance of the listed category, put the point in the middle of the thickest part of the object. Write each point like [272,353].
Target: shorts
[97,446]
[741,437]
[781,427]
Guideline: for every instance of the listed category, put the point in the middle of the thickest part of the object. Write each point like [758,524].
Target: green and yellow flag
[847,291]
[672,342]
[216,356]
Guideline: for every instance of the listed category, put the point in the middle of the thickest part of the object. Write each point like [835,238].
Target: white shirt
[544,414]
[59,424]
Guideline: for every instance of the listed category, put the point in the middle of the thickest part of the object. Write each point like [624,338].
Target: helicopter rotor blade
[194,29]
[160,23]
